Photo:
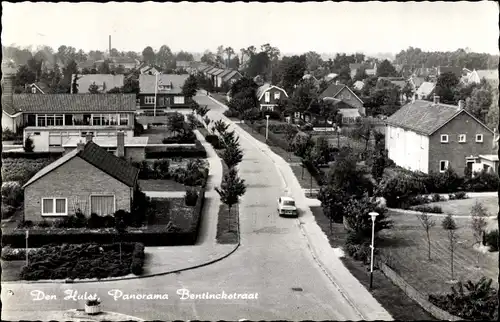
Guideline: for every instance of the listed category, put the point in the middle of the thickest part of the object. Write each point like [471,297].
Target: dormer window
[33,90]
[444,138]
[479,138]
[461,138]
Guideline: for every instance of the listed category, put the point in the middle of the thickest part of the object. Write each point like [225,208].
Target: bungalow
[353,107]
[88,179]
[104,82]
[416,82]
[132,148]
[182,65]
[268,96]
[162,91]
[457,71]
[425,91]
[431,137]
[38,88]
[11,119]
[88,64]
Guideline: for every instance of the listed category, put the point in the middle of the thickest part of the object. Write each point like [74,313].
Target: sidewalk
[329,261]
[70,315]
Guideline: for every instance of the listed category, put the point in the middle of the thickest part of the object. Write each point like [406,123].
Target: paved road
[273,261]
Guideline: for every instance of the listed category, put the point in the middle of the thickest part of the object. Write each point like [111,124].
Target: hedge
[318,174]
[31,155]
[197,151]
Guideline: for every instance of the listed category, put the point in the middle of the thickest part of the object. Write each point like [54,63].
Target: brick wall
[75,180]
[456,152]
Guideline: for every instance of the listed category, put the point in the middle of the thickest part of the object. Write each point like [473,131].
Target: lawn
[305,179]
[173,210]
[161,185]
[11,270]
[144,120]
[156,134]
[219,97]
[406,247]
[462,207]
[390,296]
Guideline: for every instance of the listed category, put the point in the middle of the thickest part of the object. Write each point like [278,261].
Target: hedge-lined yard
[22,169]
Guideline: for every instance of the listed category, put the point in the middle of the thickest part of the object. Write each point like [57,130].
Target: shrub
[161,168]
[8,135]
[72,221]
[460,195]
[357,220]
[43,224]
[15,254]
[436,197]
[399,189]
[282,128]
[191,197]
[417,200]
[214,141]
[449,181]
[471,301]
[429,209]
[483,181]
[25,224]
[358,248]
[491,240]
[183,138]
[28,145]
[136,267]
[197,151]
[7,211]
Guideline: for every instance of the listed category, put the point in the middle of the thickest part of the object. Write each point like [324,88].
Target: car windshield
[289,203]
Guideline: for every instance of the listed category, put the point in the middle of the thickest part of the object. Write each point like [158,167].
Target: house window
[179,100]
[113,119]
[55,139]
[296,115]
[41,120]
[444,138]
[59,119]
[461,138]
[277,95]
[149,100]
[84,134]
[36,133]
[111,149]
[267,97]
[54,207]
[479,138]
[102,205]
[123,119]
[443,165]
[33,90]
[98,119]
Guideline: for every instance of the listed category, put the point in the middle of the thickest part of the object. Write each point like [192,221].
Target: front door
[468,171]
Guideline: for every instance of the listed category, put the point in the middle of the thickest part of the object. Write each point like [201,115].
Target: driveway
[274,265]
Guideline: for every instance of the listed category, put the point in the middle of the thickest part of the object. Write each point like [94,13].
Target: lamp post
[373,215]
[267,125]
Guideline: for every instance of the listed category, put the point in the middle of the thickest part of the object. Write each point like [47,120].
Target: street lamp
[373,215]
[267,125]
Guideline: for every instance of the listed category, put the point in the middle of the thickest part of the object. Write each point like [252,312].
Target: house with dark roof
[87,179]
[38,88]
[457,71]
[51,118]
[162,91]
[268,96]
[353,107]
[428,136]
[182,64]
[104,82]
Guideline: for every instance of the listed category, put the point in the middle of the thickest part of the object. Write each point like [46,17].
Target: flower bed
[196,151]
[84,261]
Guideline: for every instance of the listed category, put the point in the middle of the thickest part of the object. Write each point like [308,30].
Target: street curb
[415,212]
[126,278]
[218,103]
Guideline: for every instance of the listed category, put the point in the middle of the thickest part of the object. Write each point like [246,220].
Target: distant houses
[219,77]
[269,96]
[104,82]
[162,91]
[350,105]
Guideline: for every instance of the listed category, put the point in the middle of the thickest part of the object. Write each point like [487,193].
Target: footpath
[70,315]
[326,257]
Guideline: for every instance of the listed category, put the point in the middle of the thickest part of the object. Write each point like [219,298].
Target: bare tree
[478,224]
[449,225]
[427,223]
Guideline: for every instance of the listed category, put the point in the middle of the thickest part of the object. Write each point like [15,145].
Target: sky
[327,27]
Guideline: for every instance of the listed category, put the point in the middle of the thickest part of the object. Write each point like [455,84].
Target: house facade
[163,91]
[104,82]
[425,91]
[49,120]
[431,137]
[88,178]
[352,108]
[268,96]
[11,116]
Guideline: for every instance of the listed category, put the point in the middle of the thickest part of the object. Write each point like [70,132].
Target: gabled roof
[213,71]
[417,81]
[204,68]
[231,75]
[450,69]
[104,81]
[264,88]
[349,112]
[425,117]
[226,72]
[147,83]
[426,88]
[42,87]
[117,168]
[398,81]
[59,103]
[219,72]
[488,74]
[334,89]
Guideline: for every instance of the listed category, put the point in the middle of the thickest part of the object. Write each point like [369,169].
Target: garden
[70,261]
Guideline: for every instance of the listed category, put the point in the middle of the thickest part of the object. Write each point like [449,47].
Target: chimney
[120,144]
[461,104]
[8,89]
[88,137]
[110,45]
[337,82]
[80,146]
[413,98]
[436,99]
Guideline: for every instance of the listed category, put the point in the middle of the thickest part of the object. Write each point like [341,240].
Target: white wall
[10,122]
[407,149]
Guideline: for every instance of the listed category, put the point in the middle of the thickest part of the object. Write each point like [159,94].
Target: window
[277,95]
[296,115]
[267,97]
[179,100]
[50,120]
[461,138]
[479,138]
[33,90]
[444,138]
[111,149]
[41,120]
[113,119]
[105,119]
[55,139]
[68,119]
[123,119]
[54,207]
[59,119]
[84,134]
[98,119]
[149,100]
[443,165]
[36,133]
[102,205]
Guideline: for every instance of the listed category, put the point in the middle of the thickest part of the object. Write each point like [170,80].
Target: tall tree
[293,69]
[208,58]
[360,74]
[479,103]
[104,68]
[114,52]
[165,58]
[70,69]
[450,226]
[229,51]
[492,117]
[93,89]
[479,214]
[385,69]
[446,87]
[184,56]
[148,55]
[313,61]
[258,64]
[190,86]
[231,189]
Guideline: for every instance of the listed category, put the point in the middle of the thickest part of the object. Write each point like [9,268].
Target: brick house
[88,178]
[163,91]
[268,96]
[51,119]
[353,107]
[431,137]
[104,82]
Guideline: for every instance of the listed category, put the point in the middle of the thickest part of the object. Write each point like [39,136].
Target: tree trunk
[338,139]
[428,245]
[229,219]
[302,175]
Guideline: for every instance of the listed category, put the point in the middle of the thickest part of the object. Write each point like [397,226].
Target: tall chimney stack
[436,99]
[109,45]
[461,104]
[80,146]
[120,144]
[88,137]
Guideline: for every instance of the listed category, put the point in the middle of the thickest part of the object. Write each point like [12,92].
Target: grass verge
[390,296]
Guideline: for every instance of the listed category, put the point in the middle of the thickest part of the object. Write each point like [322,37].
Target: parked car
[286,207]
